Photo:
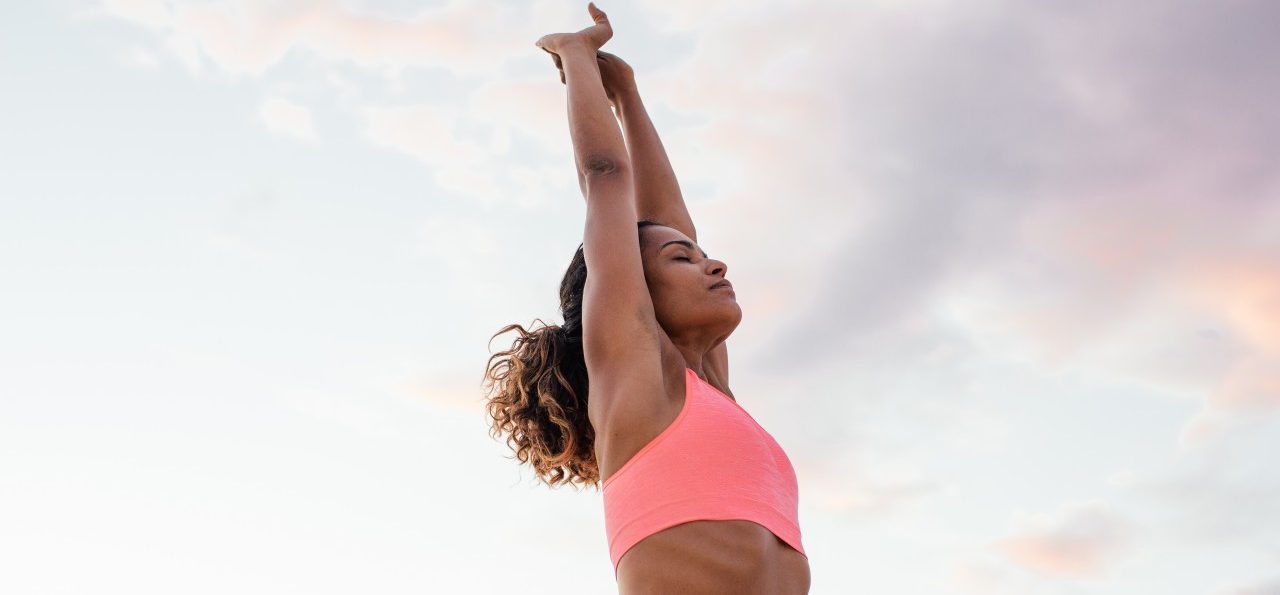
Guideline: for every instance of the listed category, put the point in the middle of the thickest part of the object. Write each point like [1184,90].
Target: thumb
[596,13]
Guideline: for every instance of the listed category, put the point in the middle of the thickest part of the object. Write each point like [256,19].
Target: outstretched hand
[592,37]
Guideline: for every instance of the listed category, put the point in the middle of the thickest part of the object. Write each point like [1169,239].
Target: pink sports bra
[714,462]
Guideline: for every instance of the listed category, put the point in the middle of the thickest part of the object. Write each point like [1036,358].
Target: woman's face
[680,276]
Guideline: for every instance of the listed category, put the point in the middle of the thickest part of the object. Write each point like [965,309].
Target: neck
[694,355]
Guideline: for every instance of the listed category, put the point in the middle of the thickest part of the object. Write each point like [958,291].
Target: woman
[698,498]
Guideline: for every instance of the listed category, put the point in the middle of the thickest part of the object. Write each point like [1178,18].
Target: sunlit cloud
[1076,543]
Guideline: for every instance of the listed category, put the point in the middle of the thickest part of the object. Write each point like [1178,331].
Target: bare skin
[704,557]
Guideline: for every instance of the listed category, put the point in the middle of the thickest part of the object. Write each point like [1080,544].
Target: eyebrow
[685,243]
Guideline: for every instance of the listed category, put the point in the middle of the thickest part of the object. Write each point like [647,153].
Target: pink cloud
[1151,282]
[1077,543]
[251,37]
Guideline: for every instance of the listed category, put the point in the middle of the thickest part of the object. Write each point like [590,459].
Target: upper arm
[619,328]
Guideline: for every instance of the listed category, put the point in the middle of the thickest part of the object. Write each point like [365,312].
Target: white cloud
[150,13]
[1271,587]
[140,57]
[247,38]
[284,116]
[1219,491]
[428,132]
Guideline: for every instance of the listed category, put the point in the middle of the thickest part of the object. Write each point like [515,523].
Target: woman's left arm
[657,192]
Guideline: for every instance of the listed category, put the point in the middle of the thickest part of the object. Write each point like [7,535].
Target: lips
[722,283]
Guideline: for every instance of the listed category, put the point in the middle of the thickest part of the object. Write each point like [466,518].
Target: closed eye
[683,258]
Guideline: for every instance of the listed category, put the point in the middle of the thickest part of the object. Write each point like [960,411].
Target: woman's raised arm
[598,146]
[621,338]
[658,194]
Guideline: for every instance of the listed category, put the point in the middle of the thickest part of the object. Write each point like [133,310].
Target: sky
[1010,276]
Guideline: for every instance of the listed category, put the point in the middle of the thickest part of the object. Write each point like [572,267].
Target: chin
[736,314]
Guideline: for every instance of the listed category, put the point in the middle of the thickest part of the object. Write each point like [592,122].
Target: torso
[704,557]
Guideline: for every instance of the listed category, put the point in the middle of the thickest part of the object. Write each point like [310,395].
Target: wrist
[575,45]
[627,97]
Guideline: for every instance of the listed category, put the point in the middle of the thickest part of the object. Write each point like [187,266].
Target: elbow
[601,164]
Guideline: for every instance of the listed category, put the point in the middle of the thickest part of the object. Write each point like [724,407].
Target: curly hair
[537,390]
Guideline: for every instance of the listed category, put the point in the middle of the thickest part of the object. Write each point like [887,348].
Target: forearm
[597,141]
[656,188]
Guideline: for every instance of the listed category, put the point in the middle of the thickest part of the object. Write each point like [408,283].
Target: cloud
[469,145]
[1221,491]
[862,493]
[1064,190]
[427,132]
[141,58]
[1076,543]
[854,482]
[1081,201]
[282,115]
[151,13]
[248,38]
[1271,587]
[990,577]
[532,106]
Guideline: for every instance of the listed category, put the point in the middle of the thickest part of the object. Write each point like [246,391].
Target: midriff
[713,557]
[701,557]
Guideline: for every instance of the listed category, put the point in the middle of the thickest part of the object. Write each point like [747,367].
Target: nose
[718,266]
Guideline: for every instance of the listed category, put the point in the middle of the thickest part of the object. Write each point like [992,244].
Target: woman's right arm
[620,334]
[618,311]
[598,145]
